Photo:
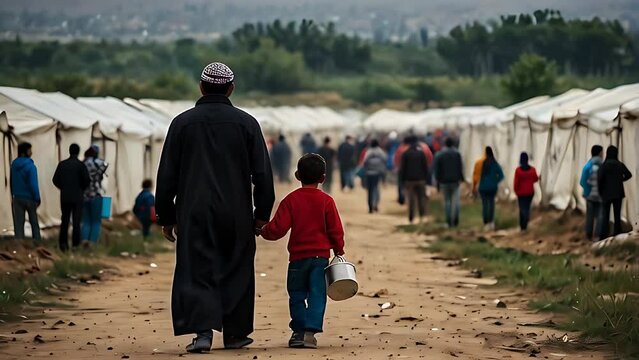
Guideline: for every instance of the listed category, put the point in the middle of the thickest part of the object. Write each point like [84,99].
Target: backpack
[593,181]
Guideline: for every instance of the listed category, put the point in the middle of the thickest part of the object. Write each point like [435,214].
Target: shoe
[201,343]
[296,340]
[310,342]
[233,342]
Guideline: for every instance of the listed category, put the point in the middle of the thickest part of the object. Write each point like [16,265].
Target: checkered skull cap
[217,73]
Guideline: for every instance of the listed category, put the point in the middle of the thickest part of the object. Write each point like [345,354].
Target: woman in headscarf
[374,166]
[612,175]
[491,176]
[525,179]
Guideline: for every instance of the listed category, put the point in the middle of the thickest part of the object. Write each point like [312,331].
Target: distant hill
[369,18]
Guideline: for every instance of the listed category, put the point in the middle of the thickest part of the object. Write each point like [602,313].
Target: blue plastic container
[106,207]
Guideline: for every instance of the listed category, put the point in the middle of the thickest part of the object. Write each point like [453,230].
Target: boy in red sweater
[316,228]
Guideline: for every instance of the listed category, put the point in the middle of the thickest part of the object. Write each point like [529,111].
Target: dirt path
[440,314]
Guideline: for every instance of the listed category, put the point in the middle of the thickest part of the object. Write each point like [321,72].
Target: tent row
[129,132]
[557,133]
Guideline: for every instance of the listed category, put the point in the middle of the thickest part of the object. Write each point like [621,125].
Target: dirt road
[440,313]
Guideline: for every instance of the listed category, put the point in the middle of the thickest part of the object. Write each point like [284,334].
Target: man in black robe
[212,155]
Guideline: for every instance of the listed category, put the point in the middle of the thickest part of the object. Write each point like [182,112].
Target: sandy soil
[440,312]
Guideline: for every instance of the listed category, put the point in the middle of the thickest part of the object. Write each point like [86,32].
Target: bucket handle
[338,259]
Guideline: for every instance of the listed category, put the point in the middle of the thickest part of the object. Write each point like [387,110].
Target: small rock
[21,331]
[500,304]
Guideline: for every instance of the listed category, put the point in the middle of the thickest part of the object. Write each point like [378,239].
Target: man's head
[449,142]
[217,79]
[311,169]
[374,143]
[596,150]
[147,184]
[282,138]
[24,149]
[327,140]
[74,150]
[412,140]
[348,139]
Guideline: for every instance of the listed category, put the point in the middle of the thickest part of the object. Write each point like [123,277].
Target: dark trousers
[306,287]
[416,193]
[605,224]
[452,202]
[401,193]
[20,207]
[372,185]
[70,210]
[488,206]
[594,219]
[525,203]
[146,227]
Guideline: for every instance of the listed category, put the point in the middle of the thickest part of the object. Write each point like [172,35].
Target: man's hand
[258,226]
[167,231]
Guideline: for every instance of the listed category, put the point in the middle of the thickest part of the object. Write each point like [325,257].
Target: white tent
[628,121]
[571,137]
[50,145]
[134,154]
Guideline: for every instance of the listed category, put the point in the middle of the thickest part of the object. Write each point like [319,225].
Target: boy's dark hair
[147,184]
[74,150]
[215,89]
[327,140]
[596,150]
[449,142]
[23,148]
[310,168]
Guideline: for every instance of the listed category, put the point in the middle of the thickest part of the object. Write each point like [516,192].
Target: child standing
[316,228]
[144,208]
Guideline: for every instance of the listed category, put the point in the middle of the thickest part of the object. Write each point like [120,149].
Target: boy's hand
[259,224]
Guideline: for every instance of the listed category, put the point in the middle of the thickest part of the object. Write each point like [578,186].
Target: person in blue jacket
[491,176]
[144,208]
[25,193]
[589,183]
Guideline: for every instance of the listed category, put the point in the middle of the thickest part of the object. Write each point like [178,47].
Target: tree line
[280,58]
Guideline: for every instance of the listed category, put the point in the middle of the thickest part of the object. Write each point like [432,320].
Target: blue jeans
[488,206]
[92,219]
[594,218]
[306,287]
[452,203]
[372,185]
[347,176]
[525,203]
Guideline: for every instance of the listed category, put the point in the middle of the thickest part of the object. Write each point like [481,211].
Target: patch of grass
[470,217]
[122,241]
[602,304]
[21,288]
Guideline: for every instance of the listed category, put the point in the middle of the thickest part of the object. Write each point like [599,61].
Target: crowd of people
[420,164]
[81,196]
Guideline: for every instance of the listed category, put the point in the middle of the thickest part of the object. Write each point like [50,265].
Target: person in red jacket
[316,229]
[525,179]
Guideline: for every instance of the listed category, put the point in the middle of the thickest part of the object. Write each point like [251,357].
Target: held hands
[170,232]
[259,224]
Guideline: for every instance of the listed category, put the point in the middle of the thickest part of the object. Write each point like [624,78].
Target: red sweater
[525,181]
[314,221]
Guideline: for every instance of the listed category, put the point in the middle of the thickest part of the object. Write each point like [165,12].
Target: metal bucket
[341,283]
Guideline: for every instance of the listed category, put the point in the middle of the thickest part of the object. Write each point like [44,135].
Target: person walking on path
[589,183]
[316,229]
[72,178]
[413,170]
[328,153]
[214,189]
[25,192]
[374,166]
[490,175]
[398,157]
[612,175]
[308,144]
[92,206]
[449,173]
[346,158]
[281,157]
[524,186]
[144,208]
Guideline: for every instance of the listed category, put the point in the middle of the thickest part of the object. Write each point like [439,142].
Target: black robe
[211,155]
